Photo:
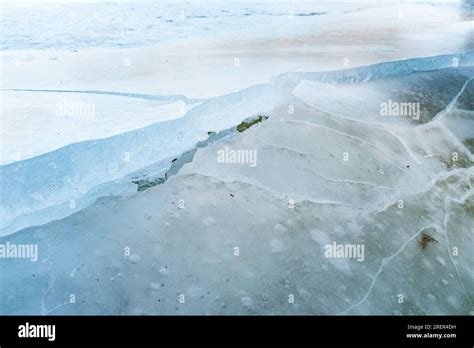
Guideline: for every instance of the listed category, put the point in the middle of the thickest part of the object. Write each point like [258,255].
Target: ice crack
[384,263]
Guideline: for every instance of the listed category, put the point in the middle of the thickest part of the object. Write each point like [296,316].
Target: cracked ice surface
[331,170]
[148,78]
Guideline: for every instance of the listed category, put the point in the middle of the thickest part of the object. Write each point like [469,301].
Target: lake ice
[91,116]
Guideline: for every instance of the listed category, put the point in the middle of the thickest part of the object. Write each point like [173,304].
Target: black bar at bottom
[135,330]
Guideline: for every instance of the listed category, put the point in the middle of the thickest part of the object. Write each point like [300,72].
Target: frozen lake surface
[249,237]
[101,100]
